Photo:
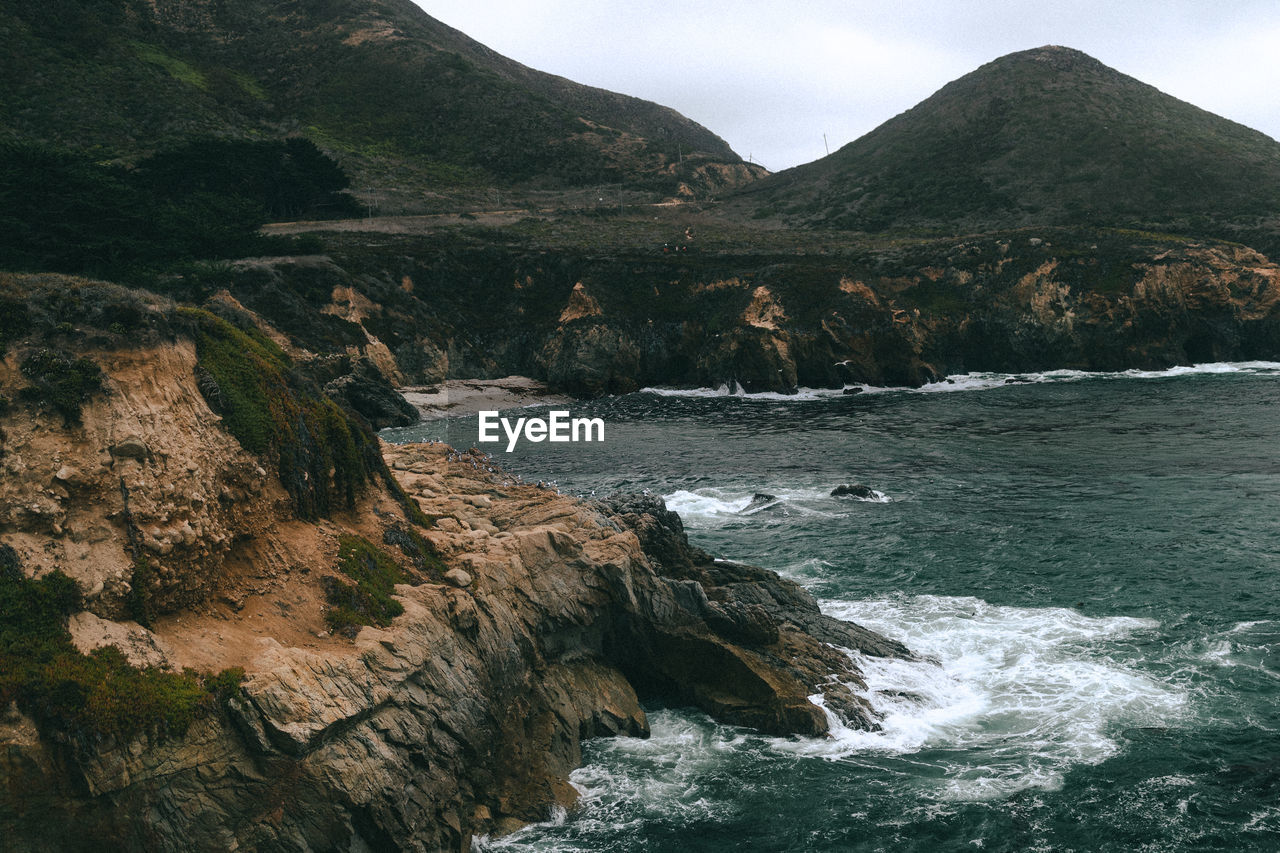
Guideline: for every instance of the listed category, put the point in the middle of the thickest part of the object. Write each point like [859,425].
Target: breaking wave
[977,382]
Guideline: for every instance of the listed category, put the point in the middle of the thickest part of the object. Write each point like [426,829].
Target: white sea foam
[737,391]
[1017,695]
[809,570]
[713,506]
[661,778]
[665,769]
[706,503]
[980,381]
[1011,700]
[1246,645]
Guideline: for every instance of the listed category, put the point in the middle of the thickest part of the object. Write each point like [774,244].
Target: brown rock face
[147,470]
[615,314]
[538,621]
[467,713]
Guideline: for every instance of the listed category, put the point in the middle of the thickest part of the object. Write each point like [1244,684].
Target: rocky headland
[232,618]
[258,700]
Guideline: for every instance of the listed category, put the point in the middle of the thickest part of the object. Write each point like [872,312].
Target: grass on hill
[87,698]
[368,600]
[323,457]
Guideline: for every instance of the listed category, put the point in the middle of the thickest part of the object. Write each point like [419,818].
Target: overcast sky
[772,76]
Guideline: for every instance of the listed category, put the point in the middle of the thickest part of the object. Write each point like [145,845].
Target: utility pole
[825,145]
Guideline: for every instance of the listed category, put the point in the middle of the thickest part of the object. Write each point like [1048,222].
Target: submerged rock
[759,501]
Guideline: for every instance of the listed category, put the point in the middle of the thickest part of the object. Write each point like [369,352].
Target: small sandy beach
[467,396]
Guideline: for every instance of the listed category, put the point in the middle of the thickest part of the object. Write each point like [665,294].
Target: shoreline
[454,397]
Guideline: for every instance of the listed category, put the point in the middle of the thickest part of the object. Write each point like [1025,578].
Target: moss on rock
[323,456]
[368,601]
[84,698]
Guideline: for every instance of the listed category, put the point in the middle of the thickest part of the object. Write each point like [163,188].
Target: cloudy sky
[772,76]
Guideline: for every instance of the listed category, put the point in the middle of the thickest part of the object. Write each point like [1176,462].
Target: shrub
[83,697]
[14,322]
[417,548]
[61,211]
[323,455]
[285,179]
[226,683]
[139,600]
[101,694]
[368,601]
[309,244]
[60,382]
[412,511]
[46,306]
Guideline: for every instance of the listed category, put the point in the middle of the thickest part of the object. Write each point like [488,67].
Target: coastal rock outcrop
[856,490]
[759,501]
[613,318]
[365,391]
[466,714]
[528,621]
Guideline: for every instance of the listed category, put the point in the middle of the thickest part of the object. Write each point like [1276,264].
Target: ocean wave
[712,506]
[1253,645]
[639,782]
[1014,698]
[736,390]
[706,503]
[977,381]
[1026,693]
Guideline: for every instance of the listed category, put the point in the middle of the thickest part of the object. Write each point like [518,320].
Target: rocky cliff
[520,621]
[606,310]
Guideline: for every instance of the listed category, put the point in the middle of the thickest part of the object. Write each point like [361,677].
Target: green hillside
[409,106]
[1045,136]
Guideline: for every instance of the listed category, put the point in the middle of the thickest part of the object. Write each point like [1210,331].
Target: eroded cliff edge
[531,621]
[625,303]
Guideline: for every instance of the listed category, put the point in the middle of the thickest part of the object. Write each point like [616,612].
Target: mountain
[401,99]
[1044,136]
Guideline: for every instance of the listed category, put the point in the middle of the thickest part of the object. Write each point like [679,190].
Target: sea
[1088,564]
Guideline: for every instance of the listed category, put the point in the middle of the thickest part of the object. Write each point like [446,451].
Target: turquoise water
[1093,562]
